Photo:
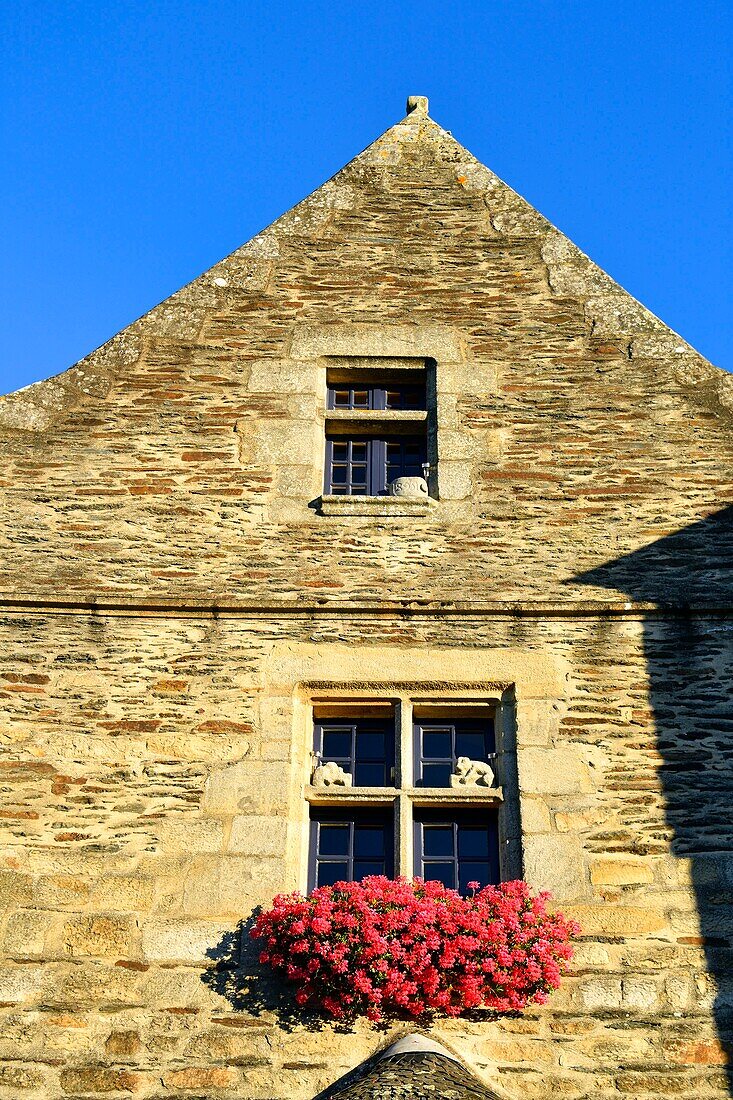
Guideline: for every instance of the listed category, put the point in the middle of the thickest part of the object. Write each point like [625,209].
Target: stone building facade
[180,599]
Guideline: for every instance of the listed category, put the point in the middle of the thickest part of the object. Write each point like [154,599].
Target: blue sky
[142,142]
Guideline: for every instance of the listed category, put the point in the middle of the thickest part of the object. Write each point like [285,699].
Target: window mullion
[456,862]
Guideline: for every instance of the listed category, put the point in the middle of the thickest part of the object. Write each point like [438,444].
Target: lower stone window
[365,466]
[457,847]
[409,788]
[348,844]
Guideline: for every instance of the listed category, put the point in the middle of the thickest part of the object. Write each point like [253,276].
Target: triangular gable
[610,312]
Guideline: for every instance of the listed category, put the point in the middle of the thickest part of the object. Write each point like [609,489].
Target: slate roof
[413,1076]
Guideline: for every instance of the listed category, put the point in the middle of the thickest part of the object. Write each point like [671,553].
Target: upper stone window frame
[363,345]
[376,429]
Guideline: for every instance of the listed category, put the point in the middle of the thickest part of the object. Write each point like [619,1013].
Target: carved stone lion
[472,773]
[330,775]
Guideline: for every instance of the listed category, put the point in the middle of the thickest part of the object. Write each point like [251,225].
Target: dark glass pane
[358,475]
[336,744]
[359,491]
[436,775]
[362,868]
[369,842]
[437,840]
[340,452]
[328,873]
[473,843]
[412,451]
[394,451]
[340,490]
[413,399]
[440,872]
[369,746]
[369,775]
[338,475]
[394,399]
[472,745]
[361,399]
[341,398]
[473,872]
[333,840]
[358,452]
[436,744]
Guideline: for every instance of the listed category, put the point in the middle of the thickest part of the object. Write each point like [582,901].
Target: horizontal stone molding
[226,606]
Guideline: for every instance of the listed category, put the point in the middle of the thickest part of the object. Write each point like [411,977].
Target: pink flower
[407,947]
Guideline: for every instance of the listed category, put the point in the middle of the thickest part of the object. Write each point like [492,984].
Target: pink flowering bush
[384,947]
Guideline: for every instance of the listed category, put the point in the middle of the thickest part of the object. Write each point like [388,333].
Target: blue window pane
[336,744]
[436,775]
[472,745]
[340,452]
[440,872]
[358,475]
[338,475]
[370,746]
[438,841]
[367,867]
[358,452]
[368,842]
[328,873]
[473,843]
[333,840]
[436,744]
[341,399]
[474,872]
[370,775]
[361,399]
[340,490]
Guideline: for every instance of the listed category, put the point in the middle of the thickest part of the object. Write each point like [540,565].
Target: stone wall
[182,461]
[169,588]
[152,794]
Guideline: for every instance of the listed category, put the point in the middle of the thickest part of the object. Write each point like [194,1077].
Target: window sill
[428,796]
[375,506]
[394,421]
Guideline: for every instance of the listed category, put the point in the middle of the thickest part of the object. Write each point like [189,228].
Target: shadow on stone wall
[689,655]
[238,976]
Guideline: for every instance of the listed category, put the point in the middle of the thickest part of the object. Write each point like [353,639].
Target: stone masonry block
[258,836]
[100,935]
[230,885]
[278,376]
[26,933]
[20,983]
[555,863]
[454,481]
[250,786]
[538,721]
[621,871]
[640,993]
[600,993]
[535,816]
[618,920]
[552,771]
[202,835]
[284,442]
[181,941]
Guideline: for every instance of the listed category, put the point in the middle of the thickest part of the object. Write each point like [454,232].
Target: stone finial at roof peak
[417,105]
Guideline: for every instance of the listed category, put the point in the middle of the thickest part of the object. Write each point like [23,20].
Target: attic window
[376,426]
